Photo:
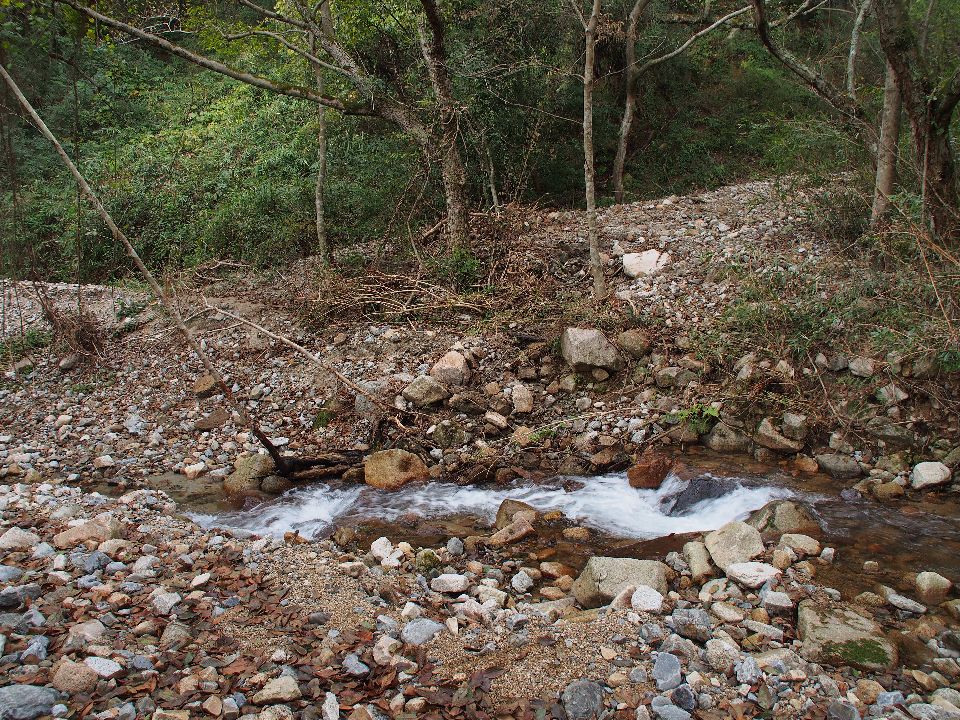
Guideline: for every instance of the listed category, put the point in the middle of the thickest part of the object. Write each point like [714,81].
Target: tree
[379,92]
[929,102]
[589,171]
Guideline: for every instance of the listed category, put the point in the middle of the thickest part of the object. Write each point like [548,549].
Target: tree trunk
[589,172]
[630,56]
[939,181]
[431,30]
[887,149]
[324,250]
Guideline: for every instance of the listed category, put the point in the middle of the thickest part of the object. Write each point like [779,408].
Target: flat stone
[278,690]
[644,263]
[26,702]
[666,671]
[104,667]
[842,637]
[420,631]
[450,583]
[18,539]
[752,574]
[602,578]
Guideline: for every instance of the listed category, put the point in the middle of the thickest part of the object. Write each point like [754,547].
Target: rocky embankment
[116,608]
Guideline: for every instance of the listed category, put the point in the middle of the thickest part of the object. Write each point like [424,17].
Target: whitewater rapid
[606,503]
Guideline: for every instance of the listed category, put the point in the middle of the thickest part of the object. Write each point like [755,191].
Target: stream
[922,533]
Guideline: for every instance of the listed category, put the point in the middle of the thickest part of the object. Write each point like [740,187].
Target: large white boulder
[929,474]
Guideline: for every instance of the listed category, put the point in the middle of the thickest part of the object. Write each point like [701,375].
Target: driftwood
[323,465]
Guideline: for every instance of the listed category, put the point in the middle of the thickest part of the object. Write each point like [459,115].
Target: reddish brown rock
[392,469]
[650,471]
[514,532]
[74,678]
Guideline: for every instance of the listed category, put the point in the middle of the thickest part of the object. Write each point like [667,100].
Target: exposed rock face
[650,471]
[929,474]
[603,578]
[249,472]
[735,542]
[392,469]
[586,349]
[451,369]
[783,516]
[842,637]
[424,391]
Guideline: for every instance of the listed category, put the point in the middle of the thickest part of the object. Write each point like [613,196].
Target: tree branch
[854,49]
[690,40]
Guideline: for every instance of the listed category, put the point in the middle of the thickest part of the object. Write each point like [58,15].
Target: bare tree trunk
[887,149]
[630,79]
[324,250]
[431,31]
[171,306]
[589,171]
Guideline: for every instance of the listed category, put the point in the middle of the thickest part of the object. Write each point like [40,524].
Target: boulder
[249,471]
[783,516]
[735,542]
[726,439]
[836,465]
[644,263]
[929,474]
[424,391]
[634,342]
[650,471]
[98,529]
[452,369]
[768,436]
[603,578]
[392,469]
[840,636]
[586,349]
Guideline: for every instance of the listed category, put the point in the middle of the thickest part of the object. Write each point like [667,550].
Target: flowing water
[922,533]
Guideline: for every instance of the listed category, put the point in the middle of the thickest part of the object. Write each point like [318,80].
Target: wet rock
[929,474]
[392,469]
[451,370]
[583,700]
[842,637]
[585,349]
[26,702]
[508,510]
[650,471]
[666,671]
[932,587]
[699,489]
[514,532]
[836,465]
[735,542]
[783,516]
[249,471]
[425,391]
[420,631]
[603,578]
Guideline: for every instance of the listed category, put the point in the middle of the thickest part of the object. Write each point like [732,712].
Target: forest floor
[737,320]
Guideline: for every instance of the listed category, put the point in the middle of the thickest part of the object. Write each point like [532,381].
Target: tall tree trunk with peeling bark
[886,149]
[589,170]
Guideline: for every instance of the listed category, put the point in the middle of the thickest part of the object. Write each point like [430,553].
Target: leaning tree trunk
[887,149]
[589,171]
[629,104]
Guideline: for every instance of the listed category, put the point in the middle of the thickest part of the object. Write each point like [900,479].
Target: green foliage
[127,308]
[698,417]
[458,268]
[949,360]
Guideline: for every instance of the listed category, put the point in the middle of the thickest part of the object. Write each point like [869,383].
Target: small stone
[26,702]
[861,367]
[521,582]
[420,631]
[932,587]
[666,671]
[278,690]
[583,700]
[752,574]
[450,583]
[646,599]
[18,539]
[74,678]
[104,667]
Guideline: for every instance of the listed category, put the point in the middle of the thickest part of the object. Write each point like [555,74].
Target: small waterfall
[606,503]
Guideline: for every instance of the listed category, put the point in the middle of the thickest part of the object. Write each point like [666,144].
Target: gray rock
[26,702]
[693,623]
[683,697]
[666,671]
[583,700]
[841,467]
[841,636]
[424,391]
[353,665]
[603,578]
[840,710]
[735,542]
[670,712]
[420,631]
[8,573]
[724,438]
[455,546]
[747,670]
[585,349]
